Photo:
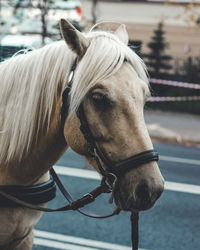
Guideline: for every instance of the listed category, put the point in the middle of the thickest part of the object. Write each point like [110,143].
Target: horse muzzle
[137,197]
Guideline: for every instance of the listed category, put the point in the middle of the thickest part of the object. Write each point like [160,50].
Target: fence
[174,98]
[8,51]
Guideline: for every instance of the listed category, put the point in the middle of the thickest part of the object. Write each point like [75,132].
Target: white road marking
[60,245]
[77,172]
[179,160]
[182,187]
[60,241]
[89,174]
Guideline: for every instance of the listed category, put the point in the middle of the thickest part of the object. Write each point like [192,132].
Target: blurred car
[12,44]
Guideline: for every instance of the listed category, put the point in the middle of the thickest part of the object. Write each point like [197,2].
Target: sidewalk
[182,129]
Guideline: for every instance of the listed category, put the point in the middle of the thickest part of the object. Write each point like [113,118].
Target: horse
[111,84]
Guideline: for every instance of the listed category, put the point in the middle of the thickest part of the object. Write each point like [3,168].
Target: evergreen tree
[156,59]
[191,69]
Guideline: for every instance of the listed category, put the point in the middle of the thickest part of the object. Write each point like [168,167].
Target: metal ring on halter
[94,151]
[109,182]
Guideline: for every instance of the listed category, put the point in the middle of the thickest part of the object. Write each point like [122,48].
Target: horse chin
[132,206]
[131,203]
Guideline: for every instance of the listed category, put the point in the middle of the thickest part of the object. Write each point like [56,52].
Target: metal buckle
[90,196]
[110,181]
[92,152]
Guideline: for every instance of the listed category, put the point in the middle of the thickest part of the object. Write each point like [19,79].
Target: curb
[175,140]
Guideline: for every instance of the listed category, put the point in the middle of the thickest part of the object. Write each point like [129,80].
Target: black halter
[35,194]
[112,170]
[116,169]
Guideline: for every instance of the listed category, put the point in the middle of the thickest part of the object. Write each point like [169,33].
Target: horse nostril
[157,194]
[142,192]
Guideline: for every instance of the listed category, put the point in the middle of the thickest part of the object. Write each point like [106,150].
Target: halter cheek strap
[65,96]
[115,168]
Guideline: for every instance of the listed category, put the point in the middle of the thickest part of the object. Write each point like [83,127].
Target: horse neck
[41,157]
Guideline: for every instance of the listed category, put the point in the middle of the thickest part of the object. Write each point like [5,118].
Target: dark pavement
[172,224]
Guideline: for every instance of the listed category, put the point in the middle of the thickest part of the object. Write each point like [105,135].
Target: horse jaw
[73,135]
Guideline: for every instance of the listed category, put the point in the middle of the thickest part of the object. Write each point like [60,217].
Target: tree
[94,11]
[191,69]
[156,59]
[42,5]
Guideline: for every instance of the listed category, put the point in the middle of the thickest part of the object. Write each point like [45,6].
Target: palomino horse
[111,84]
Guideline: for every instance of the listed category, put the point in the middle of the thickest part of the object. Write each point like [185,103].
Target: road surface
[172,224]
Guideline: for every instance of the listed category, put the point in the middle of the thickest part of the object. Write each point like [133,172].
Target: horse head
[110,84]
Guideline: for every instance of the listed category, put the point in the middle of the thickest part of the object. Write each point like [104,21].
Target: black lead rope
[135,230]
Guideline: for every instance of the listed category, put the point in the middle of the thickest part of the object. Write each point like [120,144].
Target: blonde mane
[29,86]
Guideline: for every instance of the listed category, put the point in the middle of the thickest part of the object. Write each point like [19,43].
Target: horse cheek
[74,137]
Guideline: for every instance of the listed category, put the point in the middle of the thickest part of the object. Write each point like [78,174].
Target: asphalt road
[172,224]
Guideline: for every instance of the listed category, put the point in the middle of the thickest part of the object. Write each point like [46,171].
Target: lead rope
[134,230]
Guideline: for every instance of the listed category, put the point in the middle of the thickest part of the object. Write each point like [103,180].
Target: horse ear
[74,39]
[122,33]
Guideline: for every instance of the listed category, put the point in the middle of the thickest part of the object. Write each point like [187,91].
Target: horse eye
[100,99]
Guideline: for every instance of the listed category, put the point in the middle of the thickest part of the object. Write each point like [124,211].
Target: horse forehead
[125,79]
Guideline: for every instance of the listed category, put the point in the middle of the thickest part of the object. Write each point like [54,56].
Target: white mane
[29,85]
[28,91]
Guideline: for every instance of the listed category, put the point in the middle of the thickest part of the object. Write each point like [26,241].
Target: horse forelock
[29,87]
[103,58]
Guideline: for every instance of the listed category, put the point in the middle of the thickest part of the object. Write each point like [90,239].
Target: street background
[141,18]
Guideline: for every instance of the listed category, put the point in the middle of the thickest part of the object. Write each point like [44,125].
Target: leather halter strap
[116,168]
[135,161]
[35,194]
[65,96]
[12,198]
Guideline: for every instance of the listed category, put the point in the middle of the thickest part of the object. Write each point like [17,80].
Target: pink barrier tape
[175,83]
[172,98]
